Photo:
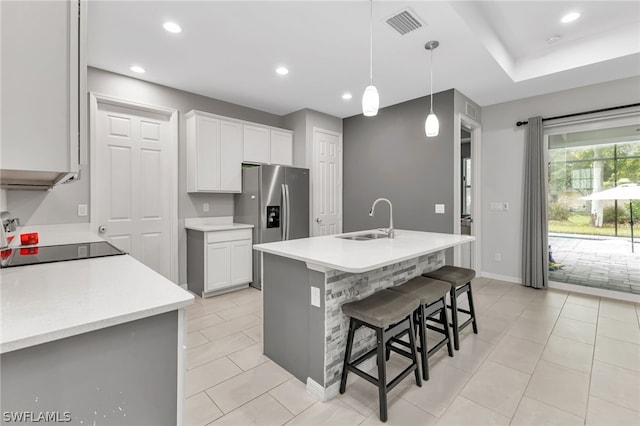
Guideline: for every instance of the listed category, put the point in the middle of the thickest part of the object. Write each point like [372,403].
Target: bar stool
[389,313]
[460,280]
[432,295]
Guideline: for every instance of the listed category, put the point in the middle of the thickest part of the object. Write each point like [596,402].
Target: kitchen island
[306,281]
[92,341]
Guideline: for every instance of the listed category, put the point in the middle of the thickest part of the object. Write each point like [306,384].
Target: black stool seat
[390,314]
[460,280]
[455,275]
[432,295]
[381,309]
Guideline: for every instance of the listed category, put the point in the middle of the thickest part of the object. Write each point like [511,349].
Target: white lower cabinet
[218,260]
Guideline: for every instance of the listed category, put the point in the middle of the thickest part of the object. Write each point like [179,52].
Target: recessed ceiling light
[172,27]
[347,96]
[137,69]
[570,17]
[282,70]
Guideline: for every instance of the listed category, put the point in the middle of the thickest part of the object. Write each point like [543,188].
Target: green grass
[579,224]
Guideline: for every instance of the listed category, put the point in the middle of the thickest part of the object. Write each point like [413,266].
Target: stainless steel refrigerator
[275,200]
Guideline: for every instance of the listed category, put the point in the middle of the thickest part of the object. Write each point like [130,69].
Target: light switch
[315,296]
[82,209]
[440,208]
[505,206]
[205,207]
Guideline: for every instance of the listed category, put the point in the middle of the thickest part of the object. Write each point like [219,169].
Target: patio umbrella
[627,191]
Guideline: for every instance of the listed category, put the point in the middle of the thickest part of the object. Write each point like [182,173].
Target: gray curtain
[535,253]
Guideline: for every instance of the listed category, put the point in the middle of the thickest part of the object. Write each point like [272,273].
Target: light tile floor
[541,357]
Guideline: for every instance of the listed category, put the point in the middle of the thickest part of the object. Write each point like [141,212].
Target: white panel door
[132,181]
[218,266]
[241,262]
[327,182]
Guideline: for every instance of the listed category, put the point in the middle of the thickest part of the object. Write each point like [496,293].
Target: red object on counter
[5,254]
[28,251]
[10,238]
[30,238]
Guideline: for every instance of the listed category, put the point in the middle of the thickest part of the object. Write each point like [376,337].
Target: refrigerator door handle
[284,215]
[288,218]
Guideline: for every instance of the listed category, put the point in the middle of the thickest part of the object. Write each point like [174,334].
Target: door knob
[102,229]
[318,220]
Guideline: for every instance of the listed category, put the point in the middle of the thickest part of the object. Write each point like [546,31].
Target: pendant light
[370,98]
[431,125]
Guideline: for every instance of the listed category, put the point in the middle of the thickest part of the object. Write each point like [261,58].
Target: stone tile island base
[309,341]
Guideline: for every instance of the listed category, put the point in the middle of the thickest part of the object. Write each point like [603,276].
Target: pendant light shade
[431,124]
[370,101]
[370,97]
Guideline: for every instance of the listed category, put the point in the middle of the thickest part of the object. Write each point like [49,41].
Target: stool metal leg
[414,350]
[454,318]
[347,356]
[445,323]
[382,374]
[424,351]
[472,311]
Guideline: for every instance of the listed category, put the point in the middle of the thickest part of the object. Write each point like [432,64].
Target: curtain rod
[521,123]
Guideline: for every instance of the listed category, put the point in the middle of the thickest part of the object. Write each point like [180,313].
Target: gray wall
[503,157]
[302,123]
[390,156]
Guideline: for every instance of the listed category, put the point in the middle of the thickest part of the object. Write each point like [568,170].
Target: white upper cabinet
[281,147]
[214,154]
[43,84]
[256,144]
[268,145]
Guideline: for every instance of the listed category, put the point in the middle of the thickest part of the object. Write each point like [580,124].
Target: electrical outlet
[440,208]
[497,257]
[82,209]
[205,207]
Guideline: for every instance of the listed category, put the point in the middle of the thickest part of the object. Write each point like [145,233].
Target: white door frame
[338,184]
[172,114]
[476,204]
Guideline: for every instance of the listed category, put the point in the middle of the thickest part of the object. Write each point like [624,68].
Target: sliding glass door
[590,240]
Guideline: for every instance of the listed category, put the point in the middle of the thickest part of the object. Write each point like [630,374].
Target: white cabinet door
[218,272]
[256,144]
[281,148]
[241,260]
[230,156]
[40,80]
[208,154]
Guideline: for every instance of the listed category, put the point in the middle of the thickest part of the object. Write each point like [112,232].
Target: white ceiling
[492,51]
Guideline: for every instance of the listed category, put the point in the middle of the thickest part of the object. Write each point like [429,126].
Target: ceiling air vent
[404,22]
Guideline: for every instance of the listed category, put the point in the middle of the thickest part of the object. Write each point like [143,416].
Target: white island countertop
[51,301]
[331,252]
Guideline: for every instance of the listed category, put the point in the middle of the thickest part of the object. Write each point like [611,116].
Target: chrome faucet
[390,232]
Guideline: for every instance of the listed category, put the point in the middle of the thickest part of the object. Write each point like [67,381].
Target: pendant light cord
[431,82]
[371,43]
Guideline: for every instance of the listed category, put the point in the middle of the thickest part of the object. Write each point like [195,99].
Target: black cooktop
[22,256]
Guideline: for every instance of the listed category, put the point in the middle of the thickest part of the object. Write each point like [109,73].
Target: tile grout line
[593,360]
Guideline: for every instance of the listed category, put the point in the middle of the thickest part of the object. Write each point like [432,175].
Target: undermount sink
[363,237]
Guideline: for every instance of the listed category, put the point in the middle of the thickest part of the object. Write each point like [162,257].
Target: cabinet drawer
[231,235]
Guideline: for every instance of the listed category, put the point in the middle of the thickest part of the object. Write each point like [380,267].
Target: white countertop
[51,301]
[209,224]
[331,252]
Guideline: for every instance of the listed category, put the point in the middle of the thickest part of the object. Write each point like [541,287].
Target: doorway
[590,240]
[133,162]
[466,203]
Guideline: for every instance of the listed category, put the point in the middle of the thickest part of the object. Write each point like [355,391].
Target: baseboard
[325,394]
[498,277]
[618,295]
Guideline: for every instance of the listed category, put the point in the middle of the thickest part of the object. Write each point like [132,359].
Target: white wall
[503,162]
